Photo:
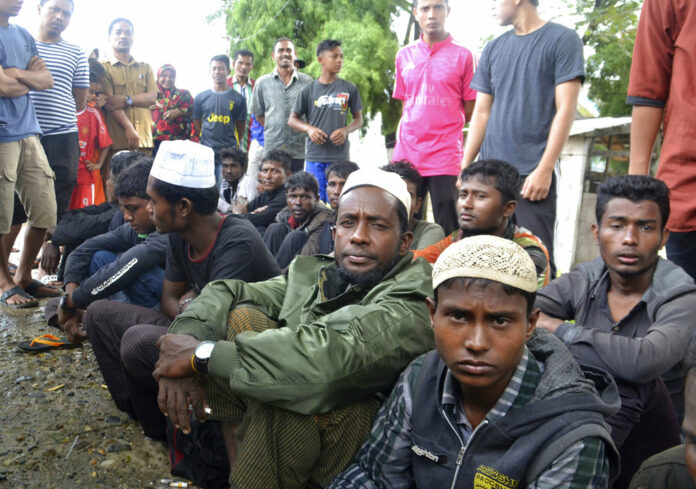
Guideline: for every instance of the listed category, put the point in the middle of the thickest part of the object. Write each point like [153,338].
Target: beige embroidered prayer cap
[387,181]
[490,257]
[185,163]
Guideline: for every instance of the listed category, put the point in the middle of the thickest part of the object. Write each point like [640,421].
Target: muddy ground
[59,427]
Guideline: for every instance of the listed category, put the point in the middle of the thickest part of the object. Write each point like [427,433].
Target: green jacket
[333,345]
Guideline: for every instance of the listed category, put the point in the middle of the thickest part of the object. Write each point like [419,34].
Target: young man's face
[136,213]
[121,37]
[367,236]
[480,334]
[689,424]
[301,202]
[630,235]
[160,210]
[416,201]
[219,72]
[334,187]
[95,89]
[231,170]
[167,79]
[10,8]
[480,206]
[243,66]
[55,16]
[332,60]
[284,54]
[273,175]
[431,16]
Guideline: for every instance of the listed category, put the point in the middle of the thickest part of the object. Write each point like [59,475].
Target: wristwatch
[201,355]
[63,304]
[129,101]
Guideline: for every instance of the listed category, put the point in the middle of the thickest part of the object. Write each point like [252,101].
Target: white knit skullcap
[388,181]
[185,163]
[490,257]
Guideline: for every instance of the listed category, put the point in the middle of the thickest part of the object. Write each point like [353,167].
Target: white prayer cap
[387,181]
[185,163]
[490,257]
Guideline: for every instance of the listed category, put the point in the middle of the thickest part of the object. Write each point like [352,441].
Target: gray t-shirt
[218,112]
[521,72]
[327,107]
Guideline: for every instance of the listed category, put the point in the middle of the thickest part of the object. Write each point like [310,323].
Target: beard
[369,279]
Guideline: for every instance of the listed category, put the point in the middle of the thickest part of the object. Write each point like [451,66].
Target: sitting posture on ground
[299,225]
[336,176]
[496,404]
[237,188]
[296,362]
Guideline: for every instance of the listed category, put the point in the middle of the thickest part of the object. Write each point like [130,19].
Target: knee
[97,317]
[139,350]
[99,259]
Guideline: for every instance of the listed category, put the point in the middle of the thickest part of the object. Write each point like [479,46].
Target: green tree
[610,30]
[363,26]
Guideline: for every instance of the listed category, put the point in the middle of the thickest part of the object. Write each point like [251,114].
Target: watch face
[205,349]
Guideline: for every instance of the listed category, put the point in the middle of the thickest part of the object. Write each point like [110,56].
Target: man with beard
[488,195]
[296,362]
[632,314]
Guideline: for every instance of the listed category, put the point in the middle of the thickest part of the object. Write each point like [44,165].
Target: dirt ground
[60,428]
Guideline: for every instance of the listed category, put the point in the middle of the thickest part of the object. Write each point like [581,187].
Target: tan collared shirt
[129,79]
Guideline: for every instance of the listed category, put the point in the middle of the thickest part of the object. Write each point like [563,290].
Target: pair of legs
[284,243]
[318,169]
[443,197]
[24,170]
[681,249]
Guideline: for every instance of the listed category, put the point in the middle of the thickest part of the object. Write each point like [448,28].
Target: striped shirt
[55,108]
[385,459]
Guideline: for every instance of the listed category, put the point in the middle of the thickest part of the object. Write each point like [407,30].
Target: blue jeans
[318,169]
[145,291]
[681,249]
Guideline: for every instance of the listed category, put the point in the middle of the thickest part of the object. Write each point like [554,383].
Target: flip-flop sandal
[34,287]
[45,342]
[20,292]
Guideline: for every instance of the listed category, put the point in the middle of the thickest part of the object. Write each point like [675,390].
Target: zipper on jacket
[463,446]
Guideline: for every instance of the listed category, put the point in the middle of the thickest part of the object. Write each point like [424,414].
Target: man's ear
[184,207]
[406,242]
[430,303]
[509,208]
[595,233]
[532,321]
[665,237]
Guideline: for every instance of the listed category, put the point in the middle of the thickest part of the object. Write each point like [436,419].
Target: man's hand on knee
[177,397]
[176,352]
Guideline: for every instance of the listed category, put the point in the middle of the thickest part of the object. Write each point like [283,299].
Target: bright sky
[177,32]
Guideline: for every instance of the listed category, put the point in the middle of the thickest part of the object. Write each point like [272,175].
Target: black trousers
[540,218]
[443,197]
[63,154]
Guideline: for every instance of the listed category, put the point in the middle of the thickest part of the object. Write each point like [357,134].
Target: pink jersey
[433,84]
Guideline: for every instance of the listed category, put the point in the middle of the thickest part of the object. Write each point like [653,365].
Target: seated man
[336,175]
[202,246]
[675,468]
[237,187]
[488,194]
[298,225]
[424,233]
[632,313]
[297,361]
[275,169]
[126,264]
[496,404]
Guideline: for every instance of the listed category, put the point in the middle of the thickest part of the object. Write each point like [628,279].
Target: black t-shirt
[238,252]
[218,112]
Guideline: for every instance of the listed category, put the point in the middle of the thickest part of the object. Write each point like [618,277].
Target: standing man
[432,79]
[131,90]
[23,164]
[660,91]
[528,81]
[273,99]
[243,63]
[219,114]
[325,104]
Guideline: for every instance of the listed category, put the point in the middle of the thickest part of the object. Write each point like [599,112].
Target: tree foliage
[610,30]
[363,26]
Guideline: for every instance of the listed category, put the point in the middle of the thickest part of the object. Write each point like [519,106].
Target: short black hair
[243,52]
[124,159]
[120,19]
[304,180]
[132,182]
[279,155]
[327,45]
[634,188]
[237,155]
[407,171]
[221,57]
[204,200]
[96,71]
[342,169]
[281,39]
[484,282]
[508,180]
